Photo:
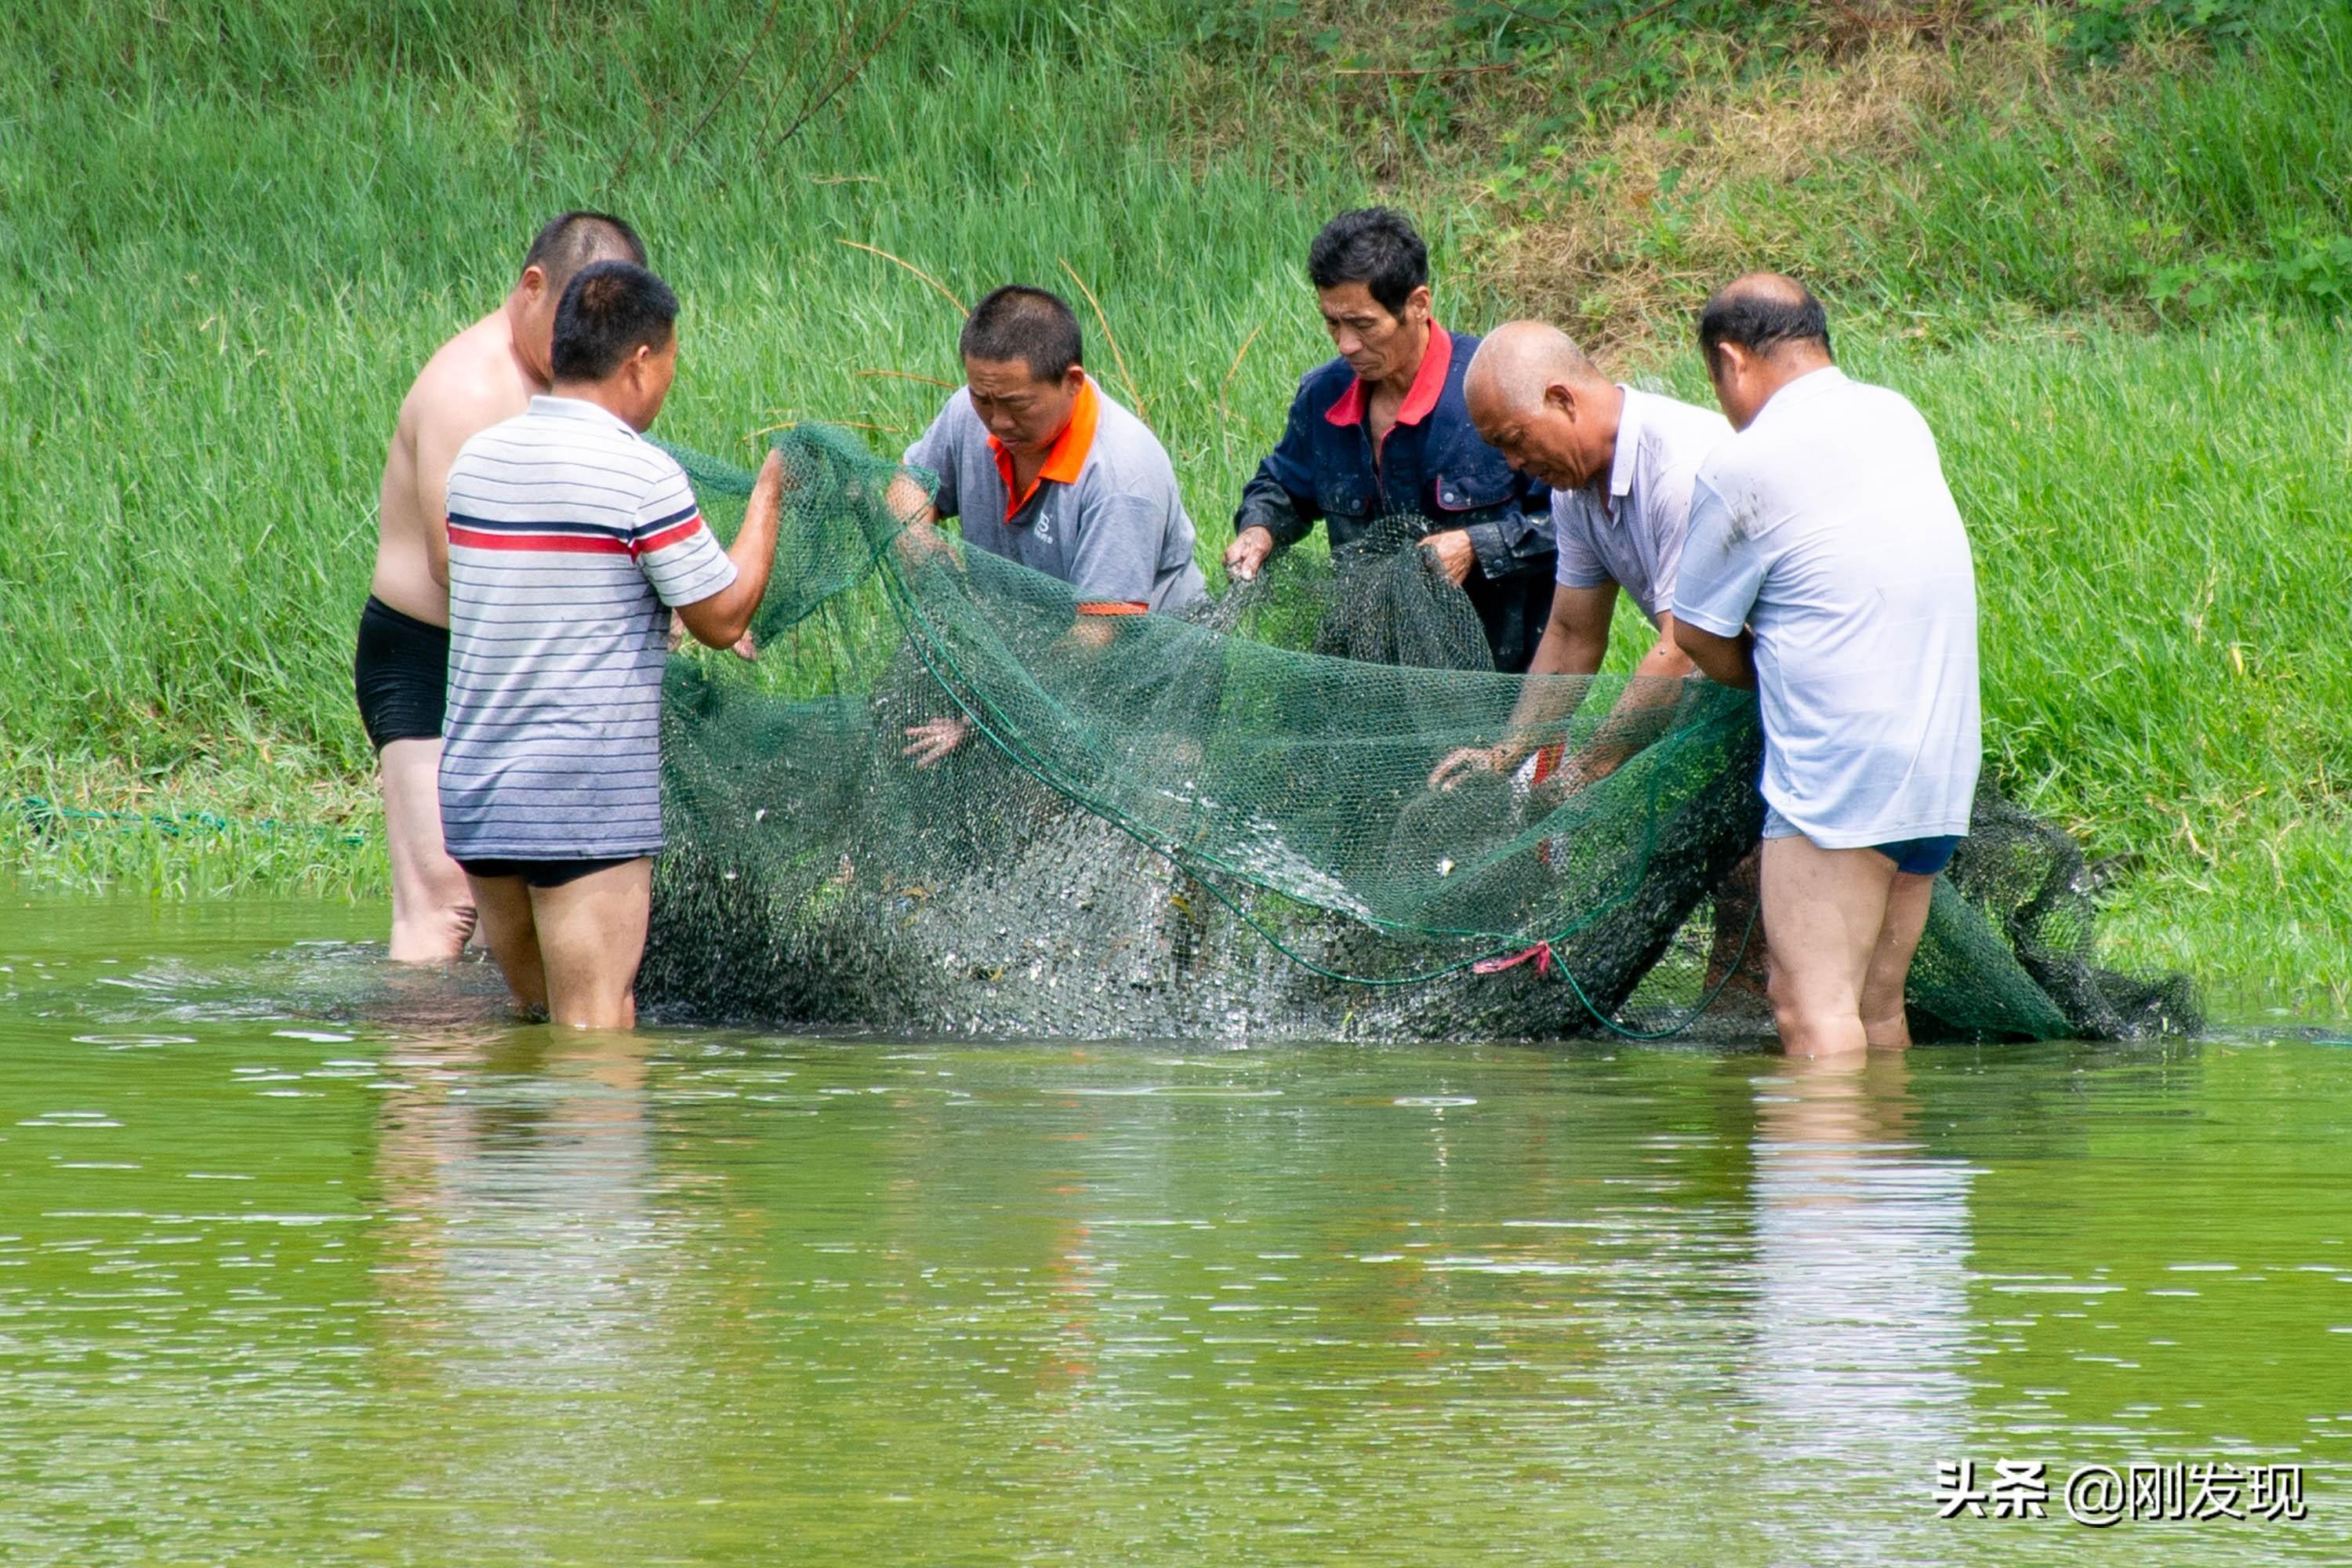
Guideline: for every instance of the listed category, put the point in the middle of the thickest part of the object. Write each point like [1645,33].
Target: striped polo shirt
[569,533]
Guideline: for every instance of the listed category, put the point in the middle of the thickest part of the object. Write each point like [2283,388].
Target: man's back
[400,663]
[1831,511]
[471,383]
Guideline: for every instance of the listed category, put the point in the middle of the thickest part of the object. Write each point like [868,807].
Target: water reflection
[369,1291]
[517,1171]
[1861,1262]
[1863,1328]
[530,1275]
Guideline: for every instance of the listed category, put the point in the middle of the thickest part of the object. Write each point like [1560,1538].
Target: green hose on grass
[44,815]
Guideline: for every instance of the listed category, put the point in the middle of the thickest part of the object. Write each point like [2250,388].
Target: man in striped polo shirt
[571,539]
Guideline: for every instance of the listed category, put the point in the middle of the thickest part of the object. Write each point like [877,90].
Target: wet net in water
[1222,824]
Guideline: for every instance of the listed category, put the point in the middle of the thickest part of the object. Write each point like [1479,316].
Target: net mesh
[1222,824]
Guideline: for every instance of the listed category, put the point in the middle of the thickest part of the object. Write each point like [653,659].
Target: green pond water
[307,1262]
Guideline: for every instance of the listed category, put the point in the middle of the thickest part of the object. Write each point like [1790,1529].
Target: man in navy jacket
[1381,432]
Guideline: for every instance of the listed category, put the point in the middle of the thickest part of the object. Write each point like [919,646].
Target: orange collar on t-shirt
[1068,457]
[1428,385]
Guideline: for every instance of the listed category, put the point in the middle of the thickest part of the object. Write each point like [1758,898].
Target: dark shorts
[400,674]
[1920,856]
[542,873]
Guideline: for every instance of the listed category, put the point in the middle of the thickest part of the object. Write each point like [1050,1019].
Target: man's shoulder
[1452,410]
[1885,403]
[1128,456]
[1735,460]
[1678,423]
[1580,528]
[958,414]
[955,423]
[490,444]
[472,380]
[593,452]
[1847,416]
[1575,510]
[1326,381]
[1676,437]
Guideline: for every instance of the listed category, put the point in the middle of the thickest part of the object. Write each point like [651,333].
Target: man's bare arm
[1656,683]
[909,501]
[1575,639]
[1726,661]
[720,620]
[1665,662]
[921,538]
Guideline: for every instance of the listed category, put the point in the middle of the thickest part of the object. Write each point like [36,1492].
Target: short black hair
[1761,312]
[1035,326]
[570,241]
[1376,247]
[609,311]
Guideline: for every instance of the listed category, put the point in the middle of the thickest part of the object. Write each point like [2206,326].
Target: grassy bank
[1943,172]
[2106,269]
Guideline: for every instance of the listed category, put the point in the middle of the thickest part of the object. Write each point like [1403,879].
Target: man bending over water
[569,533]
[1382,434]
[1827,568]
[487,372]
[1620,463]
[1048,471]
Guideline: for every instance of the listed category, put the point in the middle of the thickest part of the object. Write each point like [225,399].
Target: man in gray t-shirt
[1045,470]
[1827,567]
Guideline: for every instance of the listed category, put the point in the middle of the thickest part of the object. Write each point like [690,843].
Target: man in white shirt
[1827,567]
[1620,463]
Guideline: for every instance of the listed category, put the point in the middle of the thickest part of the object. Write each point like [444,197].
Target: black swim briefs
[400,674]
[542,873]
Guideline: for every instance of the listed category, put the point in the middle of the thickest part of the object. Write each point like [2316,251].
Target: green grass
[220,300]
[1984,177]
[230,232]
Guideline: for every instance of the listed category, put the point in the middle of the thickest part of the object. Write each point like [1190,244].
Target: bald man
[1620,463]
[1828,569]
[486,374]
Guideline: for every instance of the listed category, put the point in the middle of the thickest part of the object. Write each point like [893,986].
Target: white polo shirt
[1826,528]
[1632,534]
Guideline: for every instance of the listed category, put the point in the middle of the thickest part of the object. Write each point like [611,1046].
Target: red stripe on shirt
[562,543]
[667,536]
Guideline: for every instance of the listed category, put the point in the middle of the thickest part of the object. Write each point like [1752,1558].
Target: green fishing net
[1222,824]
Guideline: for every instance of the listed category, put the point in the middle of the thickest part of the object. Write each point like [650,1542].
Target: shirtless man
[485,375]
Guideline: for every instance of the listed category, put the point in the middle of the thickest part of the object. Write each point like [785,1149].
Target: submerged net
[1223,824]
